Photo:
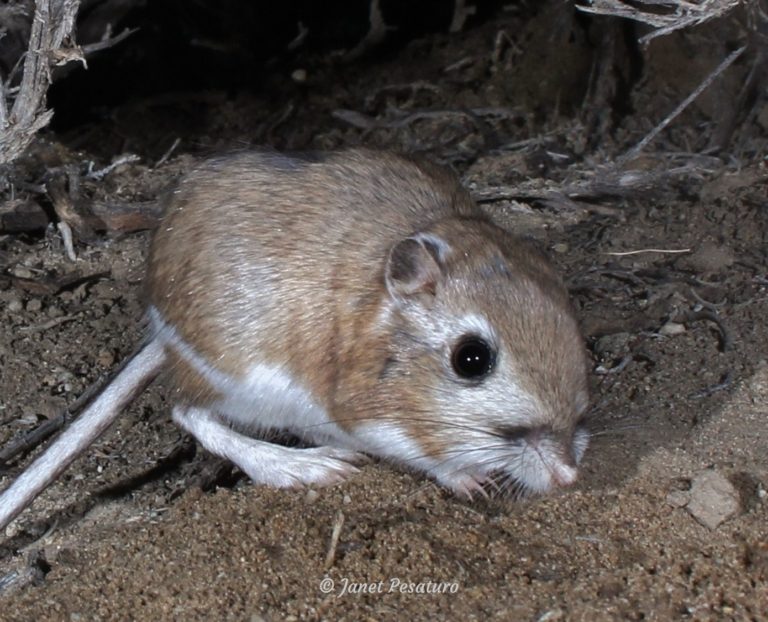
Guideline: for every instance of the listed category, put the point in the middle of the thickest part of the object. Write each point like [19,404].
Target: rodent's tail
[141,369]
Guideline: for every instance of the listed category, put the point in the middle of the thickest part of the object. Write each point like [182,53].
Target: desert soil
[670,517]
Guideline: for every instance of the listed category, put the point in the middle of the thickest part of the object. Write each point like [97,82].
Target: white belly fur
[265,397]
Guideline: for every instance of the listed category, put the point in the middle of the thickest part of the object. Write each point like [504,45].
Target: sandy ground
[669,520]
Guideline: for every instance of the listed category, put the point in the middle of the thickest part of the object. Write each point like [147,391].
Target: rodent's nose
[563,474]
[551,448]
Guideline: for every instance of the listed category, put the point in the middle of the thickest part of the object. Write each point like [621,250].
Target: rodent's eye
[473,358]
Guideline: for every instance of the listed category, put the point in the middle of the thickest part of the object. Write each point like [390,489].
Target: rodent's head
[487,360]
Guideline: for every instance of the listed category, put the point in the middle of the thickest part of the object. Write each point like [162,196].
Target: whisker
[454,472]
[515,489]
[486,464]
[615,430]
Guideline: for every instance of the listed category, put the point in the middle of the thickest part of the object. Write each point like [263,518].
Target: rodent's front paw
[464,484]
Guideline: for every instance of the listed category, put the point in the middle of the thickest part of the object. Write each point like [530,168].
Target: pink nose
[563,474]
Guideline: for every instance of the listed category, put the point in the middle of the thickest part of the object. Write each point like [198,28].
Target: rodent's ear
[415,265]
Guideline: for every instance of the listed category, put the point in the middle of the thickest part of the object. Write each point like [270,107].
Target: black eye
[472,358]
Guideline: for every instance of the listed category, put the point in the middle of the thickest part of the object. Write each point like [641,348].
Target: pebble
[106,290]
[312,496]
[713,499]
[299,76]
[22,272]
[678,498]
[616,343]
[672,328]
[105,358]
[34,305]
[552,615]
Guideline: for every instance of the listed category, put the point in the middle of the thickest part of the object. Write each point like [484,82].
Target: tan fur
[262,259]
[188,384]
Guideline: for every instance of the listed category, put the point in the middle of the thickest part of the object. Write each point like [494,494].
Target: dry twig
[334,543]
[33,438]
[49,44]
[632,153]
[52,323]
[461,12]
[665,16]
[376,33]
[649,250]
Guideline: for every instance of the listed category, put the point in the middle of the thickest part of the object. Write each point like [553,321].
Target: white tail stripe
[92,422]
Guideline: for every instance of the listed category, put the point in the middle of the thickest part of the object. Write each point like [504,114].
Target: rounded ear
[415,265]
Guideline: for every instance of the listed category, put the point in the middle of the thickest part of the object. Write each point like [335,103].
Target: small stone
[346,500]
[299,76]
[678,498]
[63,375]
[105,358]
[616,343]
[105,290]
[552,615]
[22,272]
[561,248]
[714,499]
[34,305]
[672,328]
[15,305]
[12,530]
[312,496]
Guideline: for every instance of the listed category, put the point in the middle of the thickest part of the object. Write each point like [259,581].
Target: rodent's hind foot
[264,462]
[322,466]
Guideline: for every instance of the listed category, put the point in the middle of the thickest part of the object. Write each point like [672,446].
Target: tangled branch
[22,108]
[664,15]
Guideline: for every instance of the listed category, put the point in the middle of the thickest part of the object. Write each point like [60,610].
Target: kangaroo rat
[362,302]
